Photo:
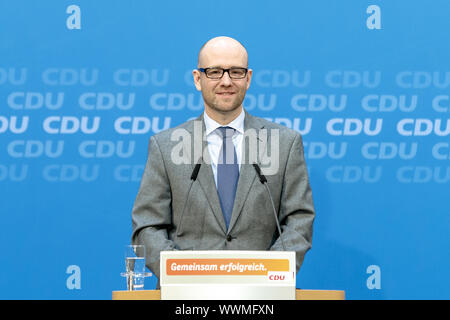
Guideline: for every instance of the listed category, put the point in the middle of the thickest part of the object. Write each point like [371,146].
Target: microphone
[195,172]
[263,180]
[193,178]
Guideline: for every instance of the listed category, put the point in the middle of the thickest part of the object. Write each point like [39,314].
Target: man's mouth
[225,93]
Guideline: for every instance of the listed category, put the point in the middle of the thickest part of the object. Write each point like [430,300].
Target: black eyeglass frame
[205,70]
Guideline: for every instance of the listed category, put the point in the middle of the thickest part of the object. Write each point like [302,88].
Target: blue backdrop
[84,84]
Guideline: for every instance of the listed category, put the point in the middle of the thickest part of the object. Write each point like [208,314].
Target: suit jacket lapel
[205,175]
[247,172]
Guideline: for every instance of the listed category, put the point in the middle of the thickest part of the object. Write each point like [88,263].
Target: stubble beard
[216,106]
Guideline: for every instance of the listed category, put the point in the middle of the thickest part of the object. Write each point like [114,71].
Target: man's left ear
[249,77]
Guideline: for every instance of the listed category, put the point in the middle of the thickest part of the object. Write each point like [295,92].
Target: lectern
[225,275]
[228,275]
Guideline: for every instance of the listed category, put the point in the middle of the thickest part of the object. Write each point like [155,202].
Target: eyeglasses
[217,73]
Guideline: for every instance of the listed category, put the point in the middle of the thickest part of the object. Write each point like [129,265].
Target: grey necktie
[227,173]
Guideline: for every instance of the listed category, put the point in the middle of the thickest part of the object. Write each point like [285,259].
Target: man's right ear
[196,74]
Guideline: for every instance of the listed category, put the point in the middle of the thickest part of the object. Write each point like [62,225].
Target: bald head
[223,97]
[222,46]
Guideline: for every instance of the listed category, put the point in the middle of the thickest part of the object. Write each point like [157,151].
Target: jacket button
[229,237]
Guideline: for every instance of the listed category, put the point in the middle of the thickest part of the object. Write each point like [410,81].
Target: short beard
[238,103]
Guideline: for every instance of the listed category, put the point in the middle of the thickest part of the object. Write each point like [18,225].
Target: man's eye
[237,72]
[214,72]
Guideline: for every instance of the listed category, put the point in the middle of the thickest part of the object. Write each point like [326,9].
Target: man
[223,206]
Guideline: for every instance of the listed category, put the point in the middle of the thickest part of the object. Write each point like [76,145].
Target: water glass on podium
[135,267]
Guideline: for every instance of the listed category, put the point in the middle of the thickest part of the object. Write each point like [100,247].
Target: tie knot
[226,132]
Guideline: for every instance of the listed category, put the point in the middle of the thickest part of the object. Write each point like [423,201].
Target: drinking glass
[135,267]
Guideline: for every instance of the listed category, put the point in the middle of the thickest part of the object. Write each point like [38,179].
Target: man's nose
[226,80]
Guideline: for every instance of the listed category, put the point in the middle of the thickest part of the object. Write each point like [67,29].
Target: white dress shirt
[214,139]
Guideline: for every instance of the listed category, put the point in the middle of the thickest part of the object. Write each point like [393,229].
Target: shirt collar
[237,124]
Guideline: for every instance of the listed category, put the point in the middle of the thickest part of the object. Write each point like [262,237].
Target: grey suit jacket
[172,212]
